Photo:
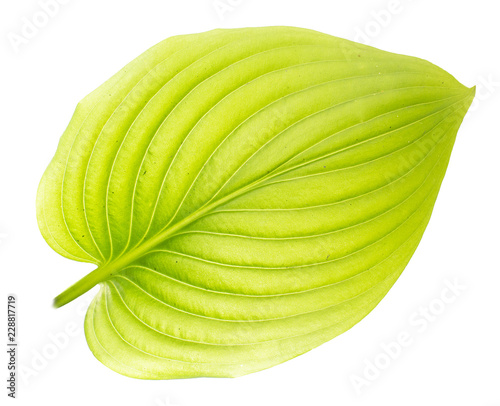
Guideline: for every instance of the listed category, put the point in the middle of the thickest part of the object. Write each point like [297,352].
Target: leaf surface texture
[246,194]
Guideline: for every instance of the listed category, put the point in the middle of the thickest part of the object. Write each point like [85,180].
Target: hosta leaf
[247,195]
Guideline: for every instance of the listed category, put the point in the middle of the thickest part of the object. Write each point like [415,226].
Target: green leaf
[247,195]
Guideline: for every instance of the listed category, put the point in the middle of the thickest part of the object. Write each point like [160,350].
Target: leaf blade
[247,194]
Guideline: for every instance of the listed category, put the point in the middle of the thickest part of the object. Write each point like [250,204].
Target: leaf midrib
[107,271]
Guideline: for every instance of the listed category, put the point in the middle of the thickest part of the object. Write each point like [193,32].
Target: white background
[454,361]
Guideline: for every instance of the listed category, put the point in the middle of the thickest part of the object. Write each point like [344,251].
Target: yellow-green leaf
[246,194]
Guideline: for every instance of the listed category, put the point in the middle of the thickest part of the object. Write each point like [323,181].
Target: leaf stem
[80,287]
